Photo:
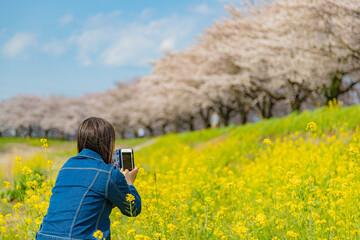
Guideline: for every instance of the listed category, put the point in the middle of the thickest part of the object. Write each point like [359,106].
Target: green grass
[35,142]
[328,120]
[129,143]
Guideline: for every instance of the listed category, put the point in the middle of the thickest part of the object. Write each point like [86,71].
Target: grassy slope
[328,119]
[234,142]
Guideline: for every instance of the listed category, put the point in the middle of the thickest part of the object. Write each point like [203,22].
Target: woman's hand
[130,176]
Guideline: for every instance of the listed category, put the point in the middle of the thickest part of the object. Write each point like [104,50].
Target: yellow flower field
[242,184]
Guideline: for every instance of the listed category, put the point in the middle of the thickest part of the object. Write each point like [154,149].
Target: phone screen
[126,157]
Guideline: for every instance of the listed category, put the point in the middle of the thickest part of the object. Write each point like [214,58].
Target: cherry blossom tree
[259,56]
[22,111]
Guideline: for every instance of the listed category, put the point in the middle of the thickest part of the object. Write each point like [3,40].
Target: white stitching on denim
[106,196]
[54,236]
[97,222]
[107,183]
[81,202]
[118,189]
[90,157]
[74,168]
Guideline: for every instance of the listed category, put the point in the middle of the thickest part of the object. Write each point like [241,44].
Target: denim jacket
[84,194]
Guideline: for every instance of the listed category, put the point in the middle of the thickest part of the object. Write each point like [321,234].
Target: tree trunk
[177,126]
[205,117]
[30,131]
[135,133]
[243,109]
[243,118]
[333,91]
[295,104]
[269,108]
[225,113]
[151,130]
[163,128]
[62,135]
[190,123]
[266,107]
[122,134]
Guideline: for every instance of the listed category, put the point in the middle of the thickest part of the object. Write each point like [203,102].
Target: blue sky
[76,47]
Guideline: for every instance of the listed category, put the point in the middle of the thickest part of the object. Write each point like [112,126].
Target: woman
[88,186]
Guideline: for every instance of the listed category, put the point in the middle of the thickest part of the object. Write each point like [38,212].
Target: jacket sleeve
[122,195]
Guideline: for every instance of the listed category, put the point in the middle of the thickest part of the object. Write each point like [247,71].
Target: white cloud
[167,44]
[89,43]
[147,13]
[18,44]
[202,9]
[107,40]
[54,48]
[66,19]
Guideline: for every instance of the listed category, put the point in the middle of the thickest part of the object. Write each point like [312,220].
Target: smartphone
[124,158]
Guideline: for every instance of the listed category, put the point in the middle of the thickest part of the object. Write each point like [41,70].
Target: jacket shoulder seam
[107,183]
[75,168]
[117,189]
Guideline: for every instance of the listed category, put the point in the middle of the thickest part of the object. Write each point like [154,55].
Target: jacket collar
[90,154]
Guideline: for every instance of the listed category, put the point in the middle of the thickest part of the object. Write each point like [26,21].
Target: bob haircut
[98,135]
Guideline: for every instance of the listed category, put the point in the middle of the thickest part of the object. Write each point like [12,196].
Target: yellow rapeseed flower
[17,206]
[292,234]
[157,235]
[311,126]
[130,197]
[261,219]
[98,234]
[130,231]
[171,227]
[267,142]
[18,159]
[27,170]
[7,184]
[208,199]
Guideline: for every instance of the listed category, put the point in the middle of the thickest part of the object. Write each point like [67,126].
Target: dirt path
[144,144]
[10,152]
[212,141]
[13,150]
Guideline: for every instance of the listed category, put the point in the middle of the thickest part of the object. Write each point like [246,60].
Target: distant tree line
[262,59]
